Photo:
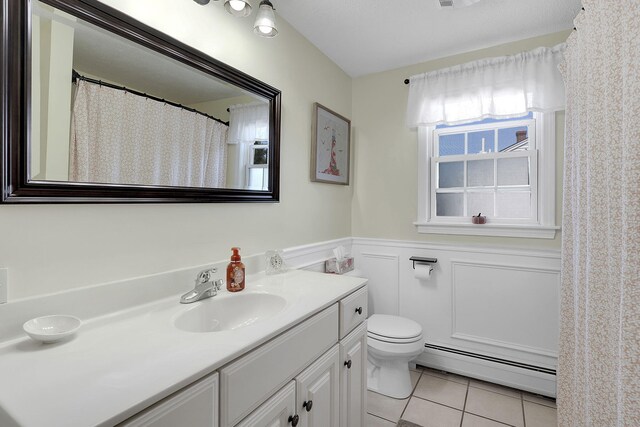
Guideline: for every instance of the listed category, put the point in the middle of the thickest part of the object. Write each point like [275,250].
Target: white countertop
[119,364]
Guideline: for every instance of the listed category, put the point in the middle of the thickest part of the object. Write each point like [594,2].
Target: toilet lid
[394,327]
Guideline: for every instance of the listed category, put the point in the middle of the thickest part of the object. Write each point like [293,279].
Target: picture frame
[330,146]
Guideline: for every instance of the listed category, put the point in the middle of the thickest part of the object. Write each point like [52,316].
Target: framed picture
[330,146]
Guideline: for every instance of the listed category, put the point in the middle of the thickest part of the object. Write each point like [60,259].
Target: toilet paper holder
[423,260]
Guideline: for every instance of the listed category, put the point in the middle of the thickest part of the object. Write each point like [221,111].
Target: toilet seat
[393,329]
[393,340]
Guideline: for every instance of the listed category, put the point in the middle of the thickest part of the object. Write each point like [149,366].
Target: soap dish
[50,329]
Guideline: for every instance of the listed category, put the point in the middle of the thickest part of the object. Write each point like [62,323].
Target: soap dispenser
[235,272]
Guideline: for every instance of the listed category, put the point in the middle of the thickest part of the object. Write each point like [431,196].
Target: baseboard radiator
[491,359]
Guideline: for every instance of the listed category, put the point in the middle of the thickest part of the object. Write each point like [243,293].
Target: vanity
[289,350]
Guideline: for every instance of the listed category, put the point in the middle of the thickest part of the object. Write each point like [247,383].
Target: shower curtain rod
[406,81]
[77,76]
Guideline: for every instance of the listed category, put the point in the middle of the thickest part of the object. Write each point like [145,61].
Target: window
[501,168]
[257,176]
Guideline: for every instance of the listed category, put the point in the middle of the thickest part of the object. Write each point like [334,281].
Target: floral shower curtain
[599,357]
[119,137]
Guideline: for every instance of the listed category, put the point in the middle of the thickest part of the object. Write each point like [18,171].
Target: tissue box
[338,267]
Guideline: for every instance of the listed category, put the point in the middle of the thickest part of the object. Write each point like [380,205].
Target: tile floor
[442,400]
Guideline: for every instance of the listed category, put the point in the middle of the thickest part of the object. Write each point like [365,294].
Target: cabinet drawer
[195,405]
[248,381]
[353,310]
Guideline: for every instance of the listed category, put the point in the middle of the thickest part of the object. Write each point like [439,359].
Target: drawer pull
[293,419]
[348,364]
[308,405]
[359,310]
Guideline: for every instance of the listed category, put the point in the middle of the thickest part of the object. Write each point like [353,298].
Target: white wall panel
[506,306]
[497,302]
[382,272]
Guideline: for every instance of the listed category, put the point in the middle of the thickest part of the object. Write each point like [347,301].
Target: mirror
[114,111]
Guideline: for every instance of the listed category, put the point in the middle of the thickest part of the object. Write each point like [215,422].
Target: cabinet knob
[359,310]
[348,364]
[308,405]
[293,419]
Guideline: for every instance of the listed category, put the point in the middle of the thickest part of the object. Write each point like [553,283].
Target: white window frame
[251,165]
[543,186]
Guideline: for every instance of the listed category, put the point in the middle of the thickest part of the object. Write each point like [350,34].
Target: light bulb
[237,5]
[265,24]
[239,8]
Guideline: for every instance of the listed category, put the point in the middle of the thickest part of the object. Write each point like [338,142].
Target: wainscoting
[487,313]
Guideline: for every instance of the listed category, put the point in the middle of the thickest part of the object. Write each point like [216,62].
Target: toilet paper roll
[423,271]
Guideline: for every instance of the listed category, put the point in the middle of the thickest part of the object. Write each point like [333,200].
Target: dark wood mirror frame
[15,96]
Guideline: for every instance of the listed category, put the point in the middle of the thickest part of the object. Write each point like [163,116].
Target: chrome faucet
[205,287]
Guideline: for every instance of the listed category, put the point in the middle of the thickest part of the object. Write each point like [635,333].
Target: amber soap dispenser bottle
[235,272]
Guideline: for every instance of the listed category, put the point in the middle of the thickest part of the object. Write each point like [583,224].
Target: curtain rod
[407,81]
[77,76]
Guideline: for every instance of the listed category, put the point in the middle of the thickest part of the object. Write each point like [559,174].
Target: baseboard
[510,376]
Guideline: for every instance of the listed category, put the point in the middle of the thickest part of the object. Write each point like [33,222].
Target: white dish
[52,328]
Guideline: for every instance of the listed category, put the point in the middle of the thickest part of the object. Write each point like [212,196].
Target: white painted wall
[50,248]
[52,56]
[386,152]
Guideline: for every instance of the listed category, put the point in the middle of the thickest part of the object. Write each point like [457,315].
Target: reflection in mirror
[105,110]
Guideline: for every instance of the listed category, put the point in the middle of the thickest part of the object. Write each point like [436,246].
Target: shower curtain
[599,356]
[119,137]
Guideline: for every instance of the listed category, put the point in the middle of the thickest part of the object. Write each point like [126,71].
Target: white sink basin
[228,312]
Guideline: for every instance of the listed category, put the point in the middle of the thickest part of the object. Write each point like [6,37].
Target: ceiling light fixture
[239,8]
[265,25]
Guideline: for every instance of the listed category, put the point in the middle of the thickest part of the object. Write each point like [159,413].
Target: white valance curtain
[599,355]
[502,87]
[119,137]
[248,123]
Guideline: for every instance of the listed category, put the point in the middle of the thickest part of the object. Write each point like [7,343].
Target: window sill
[497,230]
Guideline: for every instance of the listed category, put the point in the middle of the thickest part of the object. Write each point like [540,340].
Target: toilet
[392,342]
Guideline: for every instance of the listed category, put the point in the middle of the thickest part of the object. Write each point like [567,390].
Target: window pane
[513,204]
[513,139]
[480,203]
[449,204]
[475,145]
[479,173]
[450,174]
[260,155]
[451,144]
[513,171]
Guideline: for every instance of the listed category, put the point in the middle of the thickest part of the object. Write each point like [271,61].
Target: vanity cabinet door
[278,411]
[194,406]
[353,378]
[318,391]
